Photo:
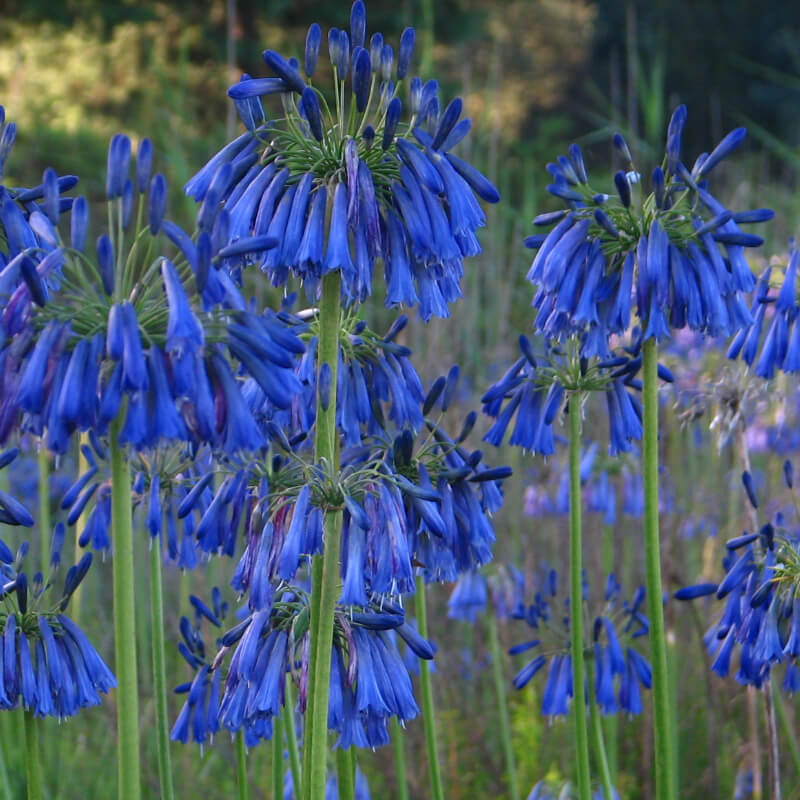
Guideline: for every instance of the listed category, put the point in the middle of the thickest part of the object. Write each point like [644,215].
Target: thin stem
[502,707]
[33,767]
[160,670]
[241,767]
[773,750]
[326,569]
[576,599]
[277,758]
[291,736]
[345,779]
[662,713]
[5,785]
[400,770]
[129,780]
[428,713]
[80,525]
[598,740]
[791,737]
[609,722]
[43,463]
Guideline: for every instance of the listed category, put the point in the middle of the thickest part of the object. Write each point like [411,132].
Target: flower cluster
[345,179]
[761,618]
[89,336]
[779,347]
[50,668]
[619,673]
[369,680]
[536,386]
[675,256]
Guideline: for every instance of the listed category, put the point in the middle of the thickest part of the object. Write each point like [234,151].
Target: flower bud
[393,112]
[358,24]
[621,146]
[79,223]
[415,95]
[144,165]
[313,41]
[157,202]
[623,188]
[119,159]
[361,77]
[405,52]
[51,195]
[375,50]
[310,105]
[387,62]
[105,261]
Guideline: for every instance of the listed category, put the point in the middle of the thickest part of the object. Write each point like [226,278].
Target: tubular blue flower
[421,266]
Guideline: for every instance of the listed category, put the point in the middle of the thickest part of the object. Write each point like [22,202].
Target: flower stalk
[325,571]
[502,707]
[428,711]
[160,670]
[129,786]
[33,766]
[400,769]
[576,598]
[662,712]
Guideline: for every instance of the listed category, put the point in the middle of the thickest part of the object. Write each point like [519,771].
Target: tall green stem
[241,767]
[129,781]
[598,740]
[325,572]
[43,463]
[786,724]
[291,736]
[345,776]
[428,712]
[400,769]
[160,670]
[609,723]
[662,713]
[502,706]
[576,599]
[33,767]
[277,758]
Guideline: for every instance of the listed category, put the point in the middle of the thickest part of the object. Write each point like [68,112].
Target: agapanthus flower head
[49,667]
[369,680]
[401,474]
[620,671]
[666,260]
[357,166]
[536,388]
[93,333]
[771,342]
[760,622]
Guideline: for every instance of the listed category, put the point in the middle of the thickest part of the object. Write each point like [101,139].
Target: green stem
[291,737]
[786,724]
[326,576]
[43,462]
[33,767]
[610,722]
[663,756]
[5,785]
[576,599]
[80,525]
[502,707]
[241,767]
[160,671]
[277,758]
[400,770]
[129,780]
[598,740]
[428,713]
[345,779]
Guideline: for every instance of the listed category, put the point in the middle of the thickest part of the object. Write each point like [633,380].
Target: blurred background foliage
[535,75]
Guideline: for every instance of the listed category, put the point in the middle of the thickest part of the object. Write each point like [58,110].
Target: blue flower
[411,204]
[682,259]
